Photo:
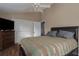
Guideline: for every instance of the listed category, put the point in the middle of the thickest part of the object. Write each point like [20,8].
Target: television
[6,24]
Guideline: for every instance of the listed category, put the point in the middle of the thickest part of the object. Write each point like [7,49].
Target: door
[37,29]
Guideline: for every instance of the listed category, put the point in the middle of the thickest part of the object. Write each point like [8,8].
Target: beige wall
[61,15]
[34,16]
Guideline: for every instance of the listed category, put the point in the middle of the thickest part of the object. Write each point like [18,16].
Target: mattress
[47,46]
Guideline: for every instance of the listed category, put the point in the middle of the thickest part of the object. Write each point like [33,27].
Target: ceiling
[22,7]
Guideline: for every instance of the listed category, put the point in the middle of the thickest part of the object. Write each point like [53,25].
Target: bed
[51,46]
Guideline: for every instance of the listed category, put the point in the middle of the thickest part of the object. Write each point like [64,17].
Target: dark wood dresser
[7,34]
[6,39]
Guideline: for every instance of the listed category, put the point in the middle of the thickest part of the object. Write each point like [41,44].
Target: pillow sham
[52,33]
[65,34]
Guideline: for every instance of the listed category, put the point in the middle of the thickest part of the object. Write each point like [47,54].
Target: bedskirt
[47,46]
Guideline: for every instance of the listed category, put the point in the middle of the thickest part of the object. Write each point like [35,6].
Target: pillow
[52,33]
[61,33]
[65,34]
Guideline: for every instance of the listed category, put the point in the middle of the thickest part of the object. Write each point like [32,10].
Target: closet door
[37,29]
[23,29]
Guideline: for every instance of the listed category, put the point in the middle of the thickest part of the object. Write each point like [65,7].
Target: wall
[61,15]
[34,16]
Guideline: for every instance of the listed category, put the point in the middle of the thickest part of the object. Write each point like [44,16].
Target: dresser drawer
[8,34]
[0,44]
[8,44]
[7,40]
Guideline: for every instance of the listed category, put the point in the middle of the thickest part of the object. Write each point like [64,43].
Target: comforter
[48,46]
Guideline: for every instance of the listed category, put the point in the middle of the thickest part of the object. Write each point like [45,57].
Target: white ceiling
[21,7]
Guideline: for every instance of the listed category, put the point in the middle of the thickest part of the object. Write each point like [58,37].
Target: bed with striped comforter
[47,46]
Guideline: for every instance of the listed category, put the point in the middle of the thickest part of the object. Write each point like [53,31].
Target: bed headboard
[69,28]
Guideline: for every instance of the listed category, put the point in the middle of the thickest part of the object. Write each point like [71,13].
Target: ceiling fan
[39,7]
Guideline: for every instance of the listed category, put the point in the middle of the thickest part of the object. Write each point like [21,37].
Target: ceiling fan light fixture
[39,7]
